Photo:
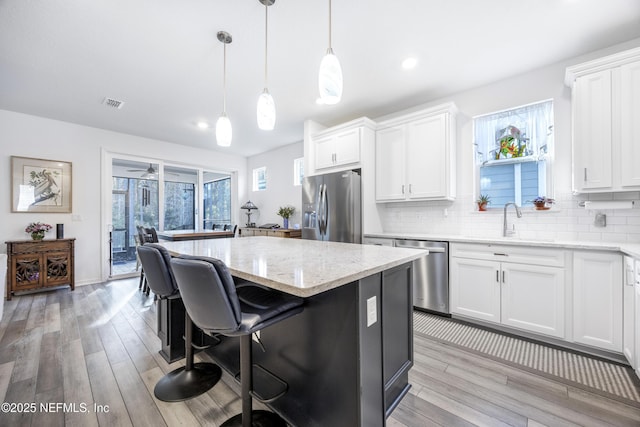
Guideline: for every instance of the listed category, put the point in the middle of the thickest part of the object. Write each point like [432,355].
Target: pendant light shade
[223,125]
[330,79]
[330,75]
[224,132]
[266,111]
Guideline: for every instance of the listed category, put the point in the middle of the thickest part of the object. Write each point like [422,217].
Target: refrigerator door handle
[326,211]
[322,210]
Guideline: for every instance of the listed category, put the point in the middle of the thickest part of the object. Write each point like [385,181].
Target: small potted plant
[542,203]
[37,230]
[286,212]
[483,201]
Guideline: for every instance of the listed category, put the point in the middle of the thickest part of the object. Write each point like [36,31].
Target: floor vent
[113,103]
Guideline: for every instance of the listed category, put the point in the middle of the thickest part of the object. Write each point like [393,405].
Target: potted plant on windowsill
[483,201]
[542,203]
[286,212]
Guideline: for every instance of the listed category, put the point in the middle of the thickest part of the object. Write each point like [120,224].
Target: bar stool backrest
[156,263]
[209,293]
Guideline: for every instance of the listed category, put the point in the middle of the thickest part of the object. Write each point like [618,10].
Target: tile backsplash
[566,221]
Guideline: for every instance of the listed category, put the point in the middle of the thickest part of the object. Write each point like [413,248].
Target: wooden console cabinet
[33,265]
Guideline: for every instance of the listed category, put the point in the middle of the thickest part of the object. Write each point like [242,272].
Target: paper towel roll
[608,204]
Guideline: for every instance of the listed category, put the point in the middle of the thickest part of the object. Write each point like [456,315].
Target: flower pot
[541,206]
[482,206]
[37,235]
[285,223]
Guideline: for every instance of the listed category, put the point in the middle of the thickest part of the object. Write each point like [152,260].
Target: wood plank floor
[98,345]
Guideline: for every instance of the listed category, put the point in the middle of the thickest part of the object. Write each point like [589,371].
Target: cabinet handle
[402,188]
[497,276]
[500,254]
[585,174]
[409,188]
[503,277]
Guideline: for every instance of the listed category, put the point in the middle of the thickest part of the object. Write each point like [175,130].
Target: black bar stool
[217,307]
[194,378]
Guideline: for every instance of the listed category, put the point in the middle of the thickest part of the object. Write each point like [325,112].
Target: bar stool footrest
[267,386]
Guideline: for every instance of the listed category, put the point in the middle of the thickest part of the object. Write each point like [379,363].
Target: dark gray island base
[340,372]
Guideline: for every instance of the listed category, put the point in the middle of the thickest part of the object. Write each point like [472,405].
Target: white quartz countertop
[296,266]
[631,249]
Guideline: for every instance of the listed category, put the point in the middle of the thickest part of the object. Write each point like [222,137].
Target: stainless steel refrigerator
[332,207]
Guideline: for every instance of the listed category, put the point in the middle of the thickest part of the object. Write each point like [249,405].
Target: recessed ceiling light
[409,63]
[203,125]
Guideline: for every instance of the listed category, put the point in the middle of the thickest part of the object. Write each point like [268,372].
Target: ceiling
[61,58]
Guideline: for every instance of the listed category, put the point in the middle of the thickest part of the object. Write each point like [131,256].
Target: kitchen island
[346,357]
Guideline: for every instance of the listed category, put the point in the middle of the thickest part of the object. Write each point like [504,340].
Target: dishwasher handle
[431,250]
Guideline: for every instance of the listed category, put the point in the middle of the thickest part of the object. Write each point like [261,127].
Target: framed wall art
[39,185]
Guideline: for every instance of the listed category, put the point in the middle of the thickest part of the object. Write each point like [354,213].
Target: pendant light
[223,125]
[266,111]
[330,75]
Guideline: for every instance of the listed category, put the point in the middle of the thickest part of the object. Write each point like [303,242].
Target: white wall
[280,189]
[566,221]
[30,136]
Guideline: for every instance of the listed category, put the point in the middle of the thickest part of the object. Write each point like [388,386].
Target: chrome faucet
[505,231]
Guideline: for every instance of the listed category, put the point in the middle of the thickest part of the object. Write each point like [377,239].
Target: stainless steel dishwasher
[430,275]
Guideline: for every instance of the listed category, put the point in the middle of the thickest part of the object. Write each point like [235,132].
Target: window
[513,153]
[260,179]
[179,206]
[217,203]
[298,171]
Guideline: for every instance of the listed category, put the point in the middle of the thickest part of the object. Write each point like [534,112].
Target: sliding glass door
[163,196]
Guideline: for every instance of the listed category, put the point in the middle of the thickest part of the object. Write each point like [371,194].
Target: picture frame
[40,185]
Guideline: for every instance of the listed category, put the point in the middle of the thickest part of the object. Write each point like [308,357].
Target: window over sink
[513,150]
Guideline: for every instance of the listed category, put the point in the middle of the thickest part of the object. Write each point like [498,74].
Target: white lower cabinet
[597,299]
[474,290]
[525,296]
[629,312]
[533,298]
[637,318]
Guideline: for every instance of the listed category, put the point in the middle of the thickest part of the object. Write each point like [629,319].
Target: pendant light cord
[266,24]
[224,81]
[330,25]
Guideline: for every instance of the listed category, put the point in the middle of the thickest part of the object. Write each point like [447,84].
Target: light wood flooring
[98,345]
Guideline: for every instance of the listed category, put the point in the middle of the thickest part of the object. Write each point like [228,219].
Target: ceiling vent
[113,103]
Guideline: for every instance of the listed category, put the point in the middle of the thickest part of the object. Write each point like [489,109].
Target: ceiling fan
[150,172]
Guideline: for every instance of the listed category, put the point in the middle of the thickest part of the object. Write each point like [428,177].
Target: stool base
[258,419]
[180,384]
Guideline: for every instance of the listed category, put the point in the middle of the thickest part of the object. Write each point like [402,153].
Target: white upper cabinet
[339,147]
[606,138]
[415,156]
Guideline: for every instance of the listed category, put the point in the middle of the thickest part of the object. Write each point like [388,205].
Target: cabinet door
[475,288]
[628,311]
[592,140]
[629,124]
[427,159]
[324,151]
[26,269]
[597,299]
[390,164]
[57,268]
[347,147]
[533,298]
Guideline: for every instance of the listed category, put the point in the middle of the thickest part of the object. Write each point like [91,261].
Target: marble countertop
[296,266]
[631,249]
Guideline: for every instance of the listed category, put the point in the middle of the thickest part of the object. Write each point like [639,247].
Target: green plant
[484,199]
[286,211]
